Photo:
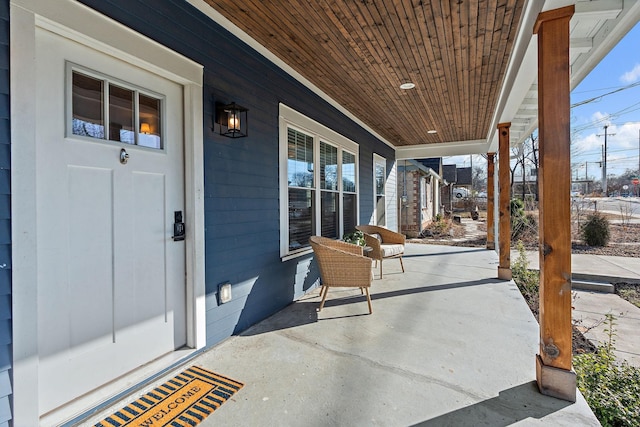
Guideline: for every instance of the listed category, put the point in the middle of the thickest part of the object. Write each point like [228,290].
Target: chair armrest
[387,235]
[374,244]
[392,237]
[344,246]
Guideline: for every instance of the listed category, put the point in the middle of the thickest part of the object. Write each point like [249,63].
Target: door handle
[178,227]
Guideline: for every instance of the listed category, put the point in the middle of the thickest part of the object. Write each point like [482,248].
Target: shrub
[595,231]
[517,208]
[527,281]
[522,224]
[611,389]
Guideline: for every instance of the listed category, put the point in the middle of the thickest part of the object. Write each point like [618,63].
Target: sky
[618,71]
[593,108]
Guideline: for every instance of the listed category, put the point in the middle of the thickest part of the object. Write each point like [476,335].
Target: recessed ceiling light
[432,131]
[406,86]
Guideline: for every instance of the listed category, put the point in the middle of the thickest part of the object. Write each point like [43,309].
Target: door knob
[124,156]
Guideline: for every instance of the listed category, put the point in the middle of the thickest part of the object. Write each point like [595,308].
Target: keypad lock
[178,226]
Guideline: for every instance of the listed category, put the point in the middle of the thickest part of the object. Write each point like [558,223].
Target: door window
[103,108]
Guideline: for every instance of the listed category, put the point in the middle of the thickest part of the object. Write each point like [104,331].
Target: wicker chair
[384,243]
[341,265]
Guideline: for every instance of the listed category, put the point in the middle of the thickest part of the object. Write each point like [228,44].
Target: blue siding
[241,175]
[5,220]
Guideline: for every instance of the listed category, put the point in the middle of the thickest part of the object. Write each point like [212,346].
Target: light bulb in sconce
[145,128]
[234,120]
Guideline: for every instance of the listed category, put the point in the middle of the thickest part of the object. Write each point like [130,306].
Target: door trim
[84,25]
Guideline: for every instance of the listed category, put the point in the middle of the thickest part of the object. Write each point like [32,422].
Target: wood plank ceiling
[359,52]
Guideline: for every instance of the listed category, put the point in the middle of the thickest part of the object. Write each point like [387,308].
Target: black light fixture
[232,119]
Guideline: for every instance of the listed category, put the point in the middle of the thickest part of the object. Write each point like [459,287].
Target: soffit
[474,62]
[360,52]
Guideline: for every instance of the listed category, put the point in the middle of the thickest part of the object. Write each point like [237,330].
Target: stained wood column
[504,208]
[491,231]
[553,364]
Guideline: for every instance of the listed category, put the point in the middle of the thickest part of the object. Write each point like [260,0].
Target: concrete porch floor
[447,344]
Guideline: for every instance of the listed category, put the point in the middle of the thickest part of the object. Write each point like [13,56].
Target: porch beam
[491,231]
[504,215]
[553,364]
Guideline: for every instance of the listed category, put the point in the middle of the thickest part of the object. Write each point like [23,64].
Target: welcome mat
[184,400]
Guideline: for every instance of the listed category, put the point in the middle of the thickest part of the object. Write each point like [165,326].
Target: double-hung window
[318,182]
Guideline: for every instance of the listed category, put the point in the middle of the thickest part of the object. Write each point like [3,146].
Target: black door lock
[178,226]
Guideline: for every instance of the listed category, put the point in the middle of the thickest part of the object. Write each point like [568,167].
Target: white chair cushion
[391,250]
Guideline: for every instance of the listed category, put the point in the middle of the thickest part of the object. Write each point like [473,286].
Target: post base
[491,246]
[504,273]
[555,382]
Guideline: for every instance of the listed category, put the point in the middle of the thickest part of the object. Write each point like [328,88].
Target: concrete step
[586,285]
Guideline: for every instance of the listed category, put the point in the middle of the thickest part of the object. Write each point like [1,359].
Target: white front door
[111,280]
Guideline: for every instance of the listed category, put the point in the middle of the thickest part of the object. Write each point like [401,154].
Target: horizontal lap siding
[242,219]
[5,221]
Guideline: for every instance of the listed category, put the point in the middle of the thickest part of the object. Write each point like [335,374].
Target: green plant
[595,231]
[516,208]
[521,222]
[612,389]
[355,237]
[527,281]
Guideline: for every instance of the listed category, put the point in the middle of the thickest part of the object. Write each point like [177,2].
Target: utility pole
[604,161]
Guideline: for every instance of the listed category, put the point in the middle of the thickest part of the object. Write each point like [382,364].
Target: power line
[599,97]
[591,153]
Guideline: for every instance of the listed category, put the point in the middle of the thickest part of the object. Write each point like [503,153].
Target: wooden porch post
[491,232]
[553,364]
[504,218]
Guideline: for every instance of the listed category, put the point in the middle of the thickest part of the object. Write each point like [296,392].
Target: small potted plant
[356,238]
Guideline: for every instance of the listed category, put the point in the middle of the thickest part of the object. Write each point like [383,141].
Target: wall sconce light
[145,128]
[232,119]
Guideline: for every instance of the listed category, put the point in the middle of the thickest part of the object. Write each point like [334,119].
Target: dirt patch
[629,291]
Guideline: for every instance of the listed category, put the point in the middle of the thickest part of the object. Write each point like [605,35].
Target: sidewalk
[590,308]
[599,268]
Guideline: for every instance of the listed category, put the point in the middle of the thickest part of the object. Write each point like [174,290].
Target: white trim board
[84,25]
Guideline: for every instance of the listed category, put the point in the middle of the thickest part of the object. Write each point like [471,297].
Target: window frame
[379,160]
[291,119]
[107,80]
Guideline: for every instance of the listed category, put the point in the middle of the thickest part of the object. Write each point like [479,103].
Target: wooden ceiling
[359,52]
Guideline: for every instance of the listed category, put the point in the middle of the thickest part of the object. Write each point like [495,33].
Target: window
[301,191]
[106,109]
[349,194]
[319,181]
[379,181]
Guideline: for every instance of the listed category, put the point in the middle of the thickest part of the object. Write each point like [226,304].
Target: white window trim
[84,25]
[290,118]
[379,160]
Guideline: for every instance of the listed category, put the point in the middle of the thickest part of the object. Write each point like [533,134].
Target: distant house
[450,177]
[419,189]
